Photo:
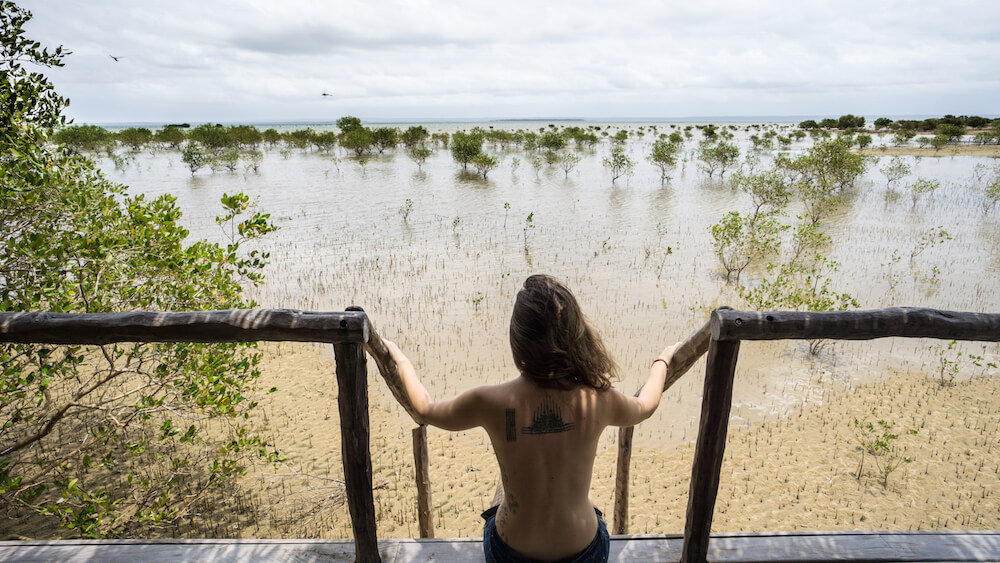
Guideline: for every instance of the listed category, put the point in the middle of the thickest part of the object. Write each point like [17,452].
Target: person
[544,426]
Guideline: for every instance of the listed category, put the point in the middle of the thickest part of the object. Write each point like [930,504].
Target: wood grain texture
[856,325]
[236,325]
[620,514]
[422,473]
[352,401]
[716,404]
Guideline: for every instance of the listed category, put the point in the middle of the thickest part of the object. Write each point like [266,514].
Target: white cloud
[247,61]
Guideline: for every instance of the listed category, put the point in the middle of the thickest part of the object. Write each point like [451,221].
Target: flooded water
[441,282]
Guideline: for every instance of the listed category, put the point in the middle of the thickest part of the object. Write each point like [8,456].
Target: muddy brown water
[444,291]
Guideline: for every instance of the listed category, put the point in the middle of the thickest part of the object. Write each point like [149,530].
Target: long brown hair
[552,341]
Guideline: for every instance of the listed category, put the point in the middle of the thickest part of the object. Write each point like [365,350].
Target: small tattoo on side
[511,426]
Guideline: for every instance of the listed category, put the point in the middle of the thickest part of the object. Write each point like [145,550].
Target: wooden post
[684,357]
[422,472]
[621,479]
[715,406]
[352,401]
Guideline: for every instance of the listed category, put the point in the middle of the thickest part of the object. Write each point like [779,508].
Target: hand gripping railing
[351,330]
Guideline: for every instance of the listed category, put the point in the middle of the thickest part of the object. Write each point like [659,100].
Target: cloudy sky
[257,61]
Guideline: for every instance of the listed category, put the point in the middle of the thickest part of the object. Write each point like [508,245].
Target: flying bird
[325,94]
[114,57]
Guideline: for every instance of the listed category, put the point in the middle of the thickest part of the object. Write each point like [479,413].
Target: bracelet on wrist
[665,364]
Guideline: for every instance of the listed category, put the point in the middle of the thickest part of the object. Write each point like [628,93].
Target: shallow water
[444,292]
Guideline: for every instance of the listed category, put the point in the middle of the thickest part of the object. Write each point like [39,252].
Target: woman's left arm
[461,413]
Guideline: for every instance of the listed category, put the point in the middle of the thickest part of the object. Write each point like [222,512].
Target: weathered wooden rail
[352,333]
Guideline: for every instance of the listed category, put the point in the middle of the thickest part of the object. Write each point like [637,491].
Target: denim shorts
[496,551]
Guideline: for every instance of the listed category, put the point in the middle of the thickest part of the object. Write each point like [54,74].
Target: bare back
[545,442]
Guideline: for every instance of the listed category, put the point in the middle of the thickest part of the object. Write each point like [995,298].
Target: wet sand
[795,472]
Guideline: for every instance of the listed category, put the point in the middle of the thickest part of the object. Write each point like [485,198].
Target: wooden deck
[783,547]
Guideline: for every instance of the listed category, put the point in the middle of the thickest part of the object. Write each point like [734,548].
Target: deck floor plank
[784,547]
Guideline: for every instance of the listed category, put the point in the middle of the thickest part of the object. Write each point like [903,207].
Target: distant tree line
[947,129]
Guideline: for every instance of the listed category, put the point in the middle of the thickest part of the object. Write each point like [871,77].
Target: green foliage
[112,440]
[552,140]
[948,362]
[358,139]
[768,191]
[799,287]
[878,440]
[568,161]
[82,137]
[952,131]
[807,240]
[663,155]
[717,157]
[991,192]
[228,160]
[419,154]
[483,163]
[922,186]
[903,136]
[740,240]
[465,146]
[896,170]
[939,141]
[441,138]
[929,239]
[26,96]
[406,209]
[209,136]
[414,135]
[808,124]
[194,157]
[850,122]
[170,136]
[385,138]
[882,122]
[618,162]
[348,123]
[864,141]
[821,173]
[529,224]
[271,136]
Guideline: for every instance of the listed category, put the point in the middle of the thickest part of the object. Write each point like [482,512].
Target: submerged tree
[664,156]
[112,440]
[717,156]
[465,146]
[618,162]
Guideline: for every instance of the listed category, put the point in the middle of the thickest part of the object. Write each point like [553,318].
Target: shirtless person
[544,426]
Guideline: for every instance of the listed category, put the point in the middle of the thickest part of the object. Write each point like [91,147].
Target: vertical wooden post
[716,402]
[422,472]
[622,479]
[352,401]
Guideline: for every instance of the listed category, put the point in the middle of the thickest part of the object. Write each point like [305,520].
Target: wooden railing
[352,333]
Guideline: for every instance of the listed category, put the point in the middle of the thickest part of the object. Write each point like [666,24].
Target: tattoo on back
[547,419]
[511,425]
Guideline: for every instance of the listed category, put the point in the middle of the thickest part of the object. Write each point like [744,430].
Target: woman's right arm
[629,411]
[461,413]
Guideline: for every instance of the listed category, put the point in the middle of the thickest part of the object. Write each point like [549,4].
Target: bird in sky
[114,57]
[325,94]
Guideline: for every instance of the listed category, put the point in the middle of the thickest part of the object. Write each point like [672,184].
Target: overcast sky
[255,61]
